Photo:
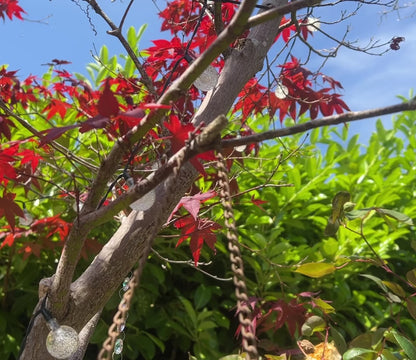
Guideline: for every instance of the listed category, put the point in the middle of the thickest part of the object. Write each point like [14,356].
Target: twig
[325,121]
[116,31]
[191,264]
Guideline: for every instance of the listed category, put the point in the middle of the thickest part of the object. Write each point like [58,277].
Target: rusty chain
[119,319]
[243,309]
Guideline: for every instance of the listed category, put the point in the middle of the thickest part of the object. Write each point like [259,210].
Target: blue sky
[60,29]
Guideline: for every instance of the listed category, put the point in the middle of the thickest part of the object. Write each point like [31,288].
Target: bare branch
[280,11]
[116,31]
[191,264]
[325,121]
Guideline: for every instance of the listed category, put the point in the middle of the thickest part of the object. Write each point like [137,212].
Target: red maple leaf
[30,248]
[54,133]
[9,240]
[30,157]
[292,314]
[9,209]
[107,104]
[5,125]
[200,231]
[287,30]
[180,132]
[56,106]
[258,202]
[193,203]
[11,8]
[7,171]
[52,225]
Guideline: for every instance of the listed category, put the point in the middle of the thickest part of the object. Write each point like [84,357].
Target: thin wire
[30,326]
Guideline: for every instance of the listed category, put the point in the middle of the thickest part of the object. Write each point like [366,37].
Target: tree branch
[280,11]
[208,139]
[116,31]
[325,121]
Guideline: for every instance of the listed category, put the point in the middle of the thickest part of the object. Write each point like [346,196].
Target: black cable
[47,315]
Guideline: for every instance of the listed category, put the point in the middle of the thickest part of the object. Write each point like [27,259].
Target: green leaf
[202,296]
[408,346]
[324,306]
[411,277]
[104,54]
[206,325]
[359,354]
[411,307]
[357,214]
[338,202]
[339,340]
[395,215]
[316,270]
[378,281]
[313,324]
[337,215]
[387,355]
[189,310]
[131,37]
[396,288]
[160,344]
[147,346]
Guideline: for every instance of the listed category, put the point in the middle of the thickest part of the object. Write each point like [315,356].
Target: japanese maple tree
[142,138]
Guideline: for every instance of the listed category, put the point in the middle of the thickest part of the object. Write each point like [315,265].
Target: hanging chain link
[119,319]
[243,309]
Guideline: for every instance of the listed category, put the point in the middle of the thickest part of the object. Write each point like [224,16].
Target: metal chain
[119,319]
[243,309]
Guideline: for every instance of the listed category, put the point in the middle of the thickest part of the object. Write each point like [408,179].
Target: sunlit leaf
[316,270]
[323,305]
[396,288]
[359,354]
[313,324]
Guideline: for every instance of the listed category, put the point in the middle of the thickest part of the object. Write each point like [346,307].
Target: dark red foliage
[200,231]
[107,104]
[9,209]
[297,82]
[180,132]
[395,42]
[5,124]
[275,314]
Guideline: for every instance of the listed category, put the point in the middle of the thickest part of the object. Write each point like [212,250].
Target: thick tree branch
[208,139]
[326,121]
[280,11]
